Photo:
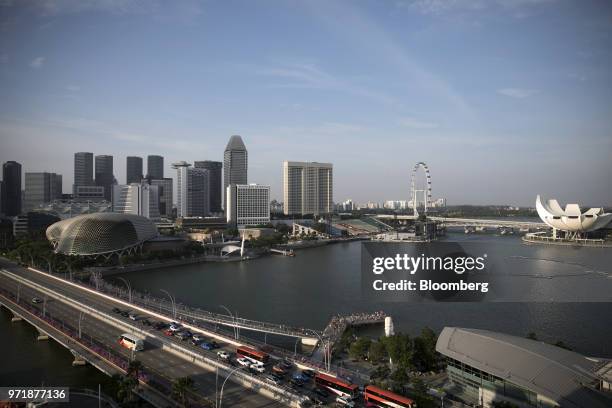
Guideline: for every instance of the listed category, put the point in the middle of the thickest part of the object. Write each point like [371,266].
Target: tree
[425,356]
[400,349]
[377,351]
[134,369]
[359,349]
[180,387]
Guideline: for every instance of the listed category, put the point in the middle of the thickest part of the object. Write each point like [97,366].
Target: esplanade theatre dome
[100,234]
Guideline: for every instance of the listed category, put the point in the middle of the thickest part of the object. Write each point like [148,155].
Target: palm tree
[180,387]
[134,369]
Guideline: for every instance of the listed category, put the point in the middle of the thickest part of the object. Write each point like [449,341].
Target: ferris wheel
[424,189]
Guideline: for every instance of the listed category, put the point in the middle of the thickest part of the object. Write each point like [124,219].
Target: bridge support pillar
[16,318]
[42,336]
[310,341]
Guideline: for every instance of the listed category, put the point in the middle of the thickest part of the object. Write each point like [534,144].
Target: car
[296,383]
[159,325]
[175,327]
[133,316]
[214,344]
[198,337]
[195,342]
[145,322]
[124,313]
[116,310]
[244,362]
[321,392]
[346,401]
[207,346]
[278,369]
[258,368]
[300,377]
[36,300]
[272,380]
[286,364]
[168,332]
[183,335]
[223,355]
[277,376]
[308,373]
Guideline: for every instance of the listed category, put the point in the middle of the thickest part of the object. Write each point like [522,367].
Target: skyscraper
[165,195]
[134,170]
[235,163]
[41,188]
[137,198]
[192,190]
[155,167]
[11,180]
[215,169]
[104,175]
[83,170]
[248,204]
[308,188]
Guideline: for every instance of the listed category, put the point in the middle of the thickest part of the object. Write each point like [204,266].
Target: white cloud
[517,92]
[37,62]
[417,124]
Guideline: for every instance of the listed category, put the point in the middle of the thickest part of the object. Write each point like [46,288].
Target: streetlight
[173,302]
[128,287]
[233,319]
[223,385]
[81,316]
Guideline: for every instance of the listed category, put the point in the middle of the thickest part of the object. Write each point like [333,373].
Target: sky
[503,99]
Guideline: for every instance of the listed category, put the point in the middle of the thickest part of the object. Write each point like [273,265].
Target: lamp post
[171,300]
[223,385]
[129,288]
[233,319]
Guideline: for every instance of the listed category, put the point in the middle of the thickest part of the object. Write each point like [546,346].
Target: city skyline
[499,98]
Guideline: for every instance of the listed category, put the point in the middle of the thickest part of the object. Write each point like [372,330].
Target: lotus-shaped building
[571,220]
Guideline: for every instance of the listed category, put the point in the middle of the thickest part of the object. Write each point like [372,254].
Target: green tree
[377,351]
[425,355]
[134,369]
[181,387]
[359,349]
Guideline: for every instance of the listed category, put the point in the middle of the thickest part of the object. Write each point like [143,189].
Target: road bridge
[467,222]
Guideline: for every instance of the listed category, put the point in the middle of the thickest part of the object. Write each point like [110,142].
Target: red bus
[378,397]
[336,385]
[252,354]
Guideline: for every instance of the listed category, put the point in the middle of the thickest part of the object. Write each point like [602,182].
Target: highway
[154,359]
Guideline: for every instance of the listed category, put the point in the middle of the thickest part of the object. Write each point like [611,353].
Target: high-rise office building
[11,178]
[83,170]
[308,188]
[134,170]
[247,204]
[235,163]
[1,198]
[155,167]
[42,188]
[137,198]
[215,170]
[104,175]
[165,196]
[193,196]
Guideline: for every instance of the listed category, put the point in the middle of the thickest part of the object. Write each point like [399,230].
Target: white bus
[131,342]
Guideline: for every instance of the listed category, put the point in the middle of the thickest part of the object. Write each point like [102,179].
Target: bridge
[83,321]
[470,222]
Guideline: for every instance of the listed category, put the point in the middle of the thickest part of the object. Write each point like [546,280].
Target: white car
[198,337]
[223,354]
[175,327]
[258,367]
[346,401]
[244,362]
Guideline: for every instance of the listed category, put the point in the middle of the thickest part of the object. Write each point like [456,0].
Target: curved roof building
[571,219]
[490,367]
[100,234]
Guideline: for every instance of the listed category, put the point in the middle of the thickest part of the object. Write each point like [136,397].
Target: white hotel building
[247,204]
[308,188]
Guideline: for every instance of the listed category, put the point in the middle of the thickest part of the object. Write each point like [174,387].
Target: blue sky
[503,99]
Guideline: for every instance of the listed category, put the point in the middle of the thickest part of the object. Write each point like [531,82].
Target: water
[27,361]
[319,282]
